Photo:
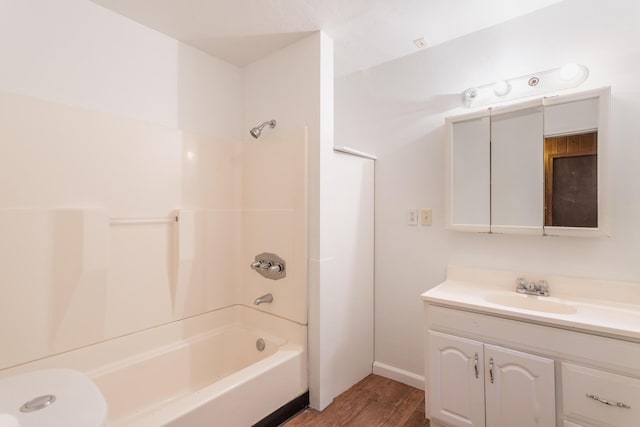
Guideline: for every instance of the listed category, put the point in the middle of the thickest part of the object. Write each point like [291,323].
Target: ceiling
[365,32]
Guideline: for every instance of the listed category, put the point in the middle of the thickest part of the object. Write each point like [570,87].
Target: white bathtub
[202,371]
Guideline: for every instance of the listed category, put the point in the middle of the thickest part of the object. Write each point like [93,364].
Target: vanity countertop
[604,308]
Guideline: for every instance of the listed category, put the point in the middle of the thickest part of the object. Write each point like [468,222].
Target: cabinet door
[468,180]
[519,389]
[455,385]
[517,171]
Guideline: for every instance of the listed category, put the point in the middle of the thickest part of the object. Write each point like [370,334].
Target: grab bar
[125,221]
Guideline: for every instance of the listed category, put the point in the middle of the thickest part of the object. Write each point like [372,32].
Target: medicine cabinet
[537,167]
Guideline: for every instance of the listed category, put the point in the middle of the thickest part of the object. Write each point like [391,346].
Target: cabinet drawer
[581,387]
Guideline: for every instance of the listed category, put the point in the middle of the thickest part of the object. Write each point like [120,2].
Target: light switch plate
[426,216]
[412,216]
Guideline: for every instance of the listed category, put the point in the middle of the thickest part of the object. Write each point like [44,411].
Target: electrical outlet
[412,216]
[426,217]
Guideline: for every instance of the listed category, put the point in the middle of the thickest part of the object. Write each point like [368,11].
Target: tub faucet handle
[265,265]
[269,266]
[276,268]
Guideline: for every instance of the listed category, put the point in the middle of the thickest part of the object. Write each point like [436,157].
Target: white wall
[397,111]
[77,53]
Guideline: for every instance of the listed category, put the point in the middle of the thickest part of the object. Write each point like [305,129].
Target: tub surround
[569,359]
[141,126]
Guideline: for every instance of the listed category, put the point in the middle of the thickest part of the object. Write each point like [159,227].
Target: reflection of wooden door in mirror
[571,180]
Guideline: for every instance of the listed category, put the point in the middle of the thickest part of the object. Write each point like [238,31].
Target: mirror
[470,173]
[516,178]
[530,168]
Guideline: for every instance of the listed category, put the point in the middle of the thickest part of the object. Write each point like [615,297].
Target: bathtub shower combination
[230,367]
[130,292]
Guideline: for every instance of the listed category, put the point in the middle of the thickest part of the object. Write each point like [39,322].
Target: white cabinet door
[519,389]
[468,180]
[455,385]
[517,171]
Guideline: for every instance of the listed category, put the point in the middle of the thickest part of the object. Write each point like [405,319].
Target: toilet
[51,398]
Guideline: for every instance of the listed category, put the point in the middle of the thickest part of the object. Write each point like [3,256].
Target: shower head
[256,131]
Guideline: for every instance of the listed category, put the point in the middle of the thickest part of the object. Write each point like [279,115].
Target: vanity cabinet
[476,384]
[568,360]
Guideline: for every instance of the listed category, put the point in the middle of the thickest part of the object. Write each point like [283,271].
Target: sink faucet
[523,286]
[263,299]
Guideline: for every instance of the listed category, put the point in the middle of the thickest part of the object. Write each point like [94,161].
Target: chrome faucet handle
[270,266]
[276,268]
[543,287]
[265,265]
[521,283]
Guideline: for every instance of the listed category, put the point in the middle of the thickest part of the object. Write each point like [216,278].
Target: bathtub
[201,371]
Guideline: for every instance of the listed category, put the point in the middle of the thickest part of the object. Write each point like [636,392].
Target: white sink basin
[530,302]
[605,307]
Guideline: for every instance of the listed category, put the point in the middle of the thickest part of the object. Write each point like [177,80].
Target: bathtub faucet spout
[263,299]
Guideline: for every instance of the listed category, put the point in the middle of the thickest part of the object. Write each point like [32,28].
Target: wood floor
[374,401]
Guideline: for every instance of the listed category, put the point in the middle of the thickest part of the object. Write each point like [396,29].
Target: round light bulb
[569,71]
[501,88]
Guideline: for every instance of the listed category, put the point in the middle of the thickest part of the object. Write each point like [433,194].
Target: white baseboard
[400,375]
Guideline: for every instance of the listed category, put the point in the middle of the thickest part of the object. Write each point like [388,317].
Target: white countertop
[574,304]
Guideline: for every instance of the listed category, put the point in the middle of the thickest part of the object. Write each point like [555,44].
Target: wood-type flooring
[373,402]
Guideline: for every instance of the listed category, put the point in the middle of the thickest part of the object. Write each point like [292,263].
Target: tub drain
[260,344]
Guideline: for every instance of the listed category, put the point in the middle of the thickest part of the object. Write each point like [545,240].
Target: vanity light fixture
[565,77]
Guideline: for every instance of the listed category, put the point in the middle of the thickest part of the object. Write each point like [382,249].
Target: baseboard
[400,375]
[287,411]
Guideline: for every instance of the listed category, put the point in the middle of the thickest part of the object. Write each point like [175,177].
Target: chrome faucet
[263,299]
[524,286]
[269,265]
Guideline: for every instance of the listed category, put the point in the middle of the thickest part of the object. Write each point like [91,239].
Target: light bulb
[501,88]
[569,71]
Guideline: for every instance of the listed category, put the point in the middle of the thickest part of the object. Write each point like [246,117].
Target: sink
[530,302]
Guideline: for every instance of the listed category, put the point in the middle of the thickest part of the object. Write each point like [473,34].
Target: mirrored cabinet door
[538,167]
[517,190]
[469,173]
[575,128]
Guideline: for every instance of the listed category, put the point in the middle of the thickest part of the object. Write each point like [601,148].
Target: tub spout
[263,299]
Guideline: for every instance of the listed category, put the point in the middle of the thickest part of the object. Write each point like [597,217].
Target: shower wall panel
[91,249]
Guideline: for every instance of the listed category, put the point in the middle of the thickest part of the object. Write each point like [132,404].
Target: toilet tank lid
[53,398]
